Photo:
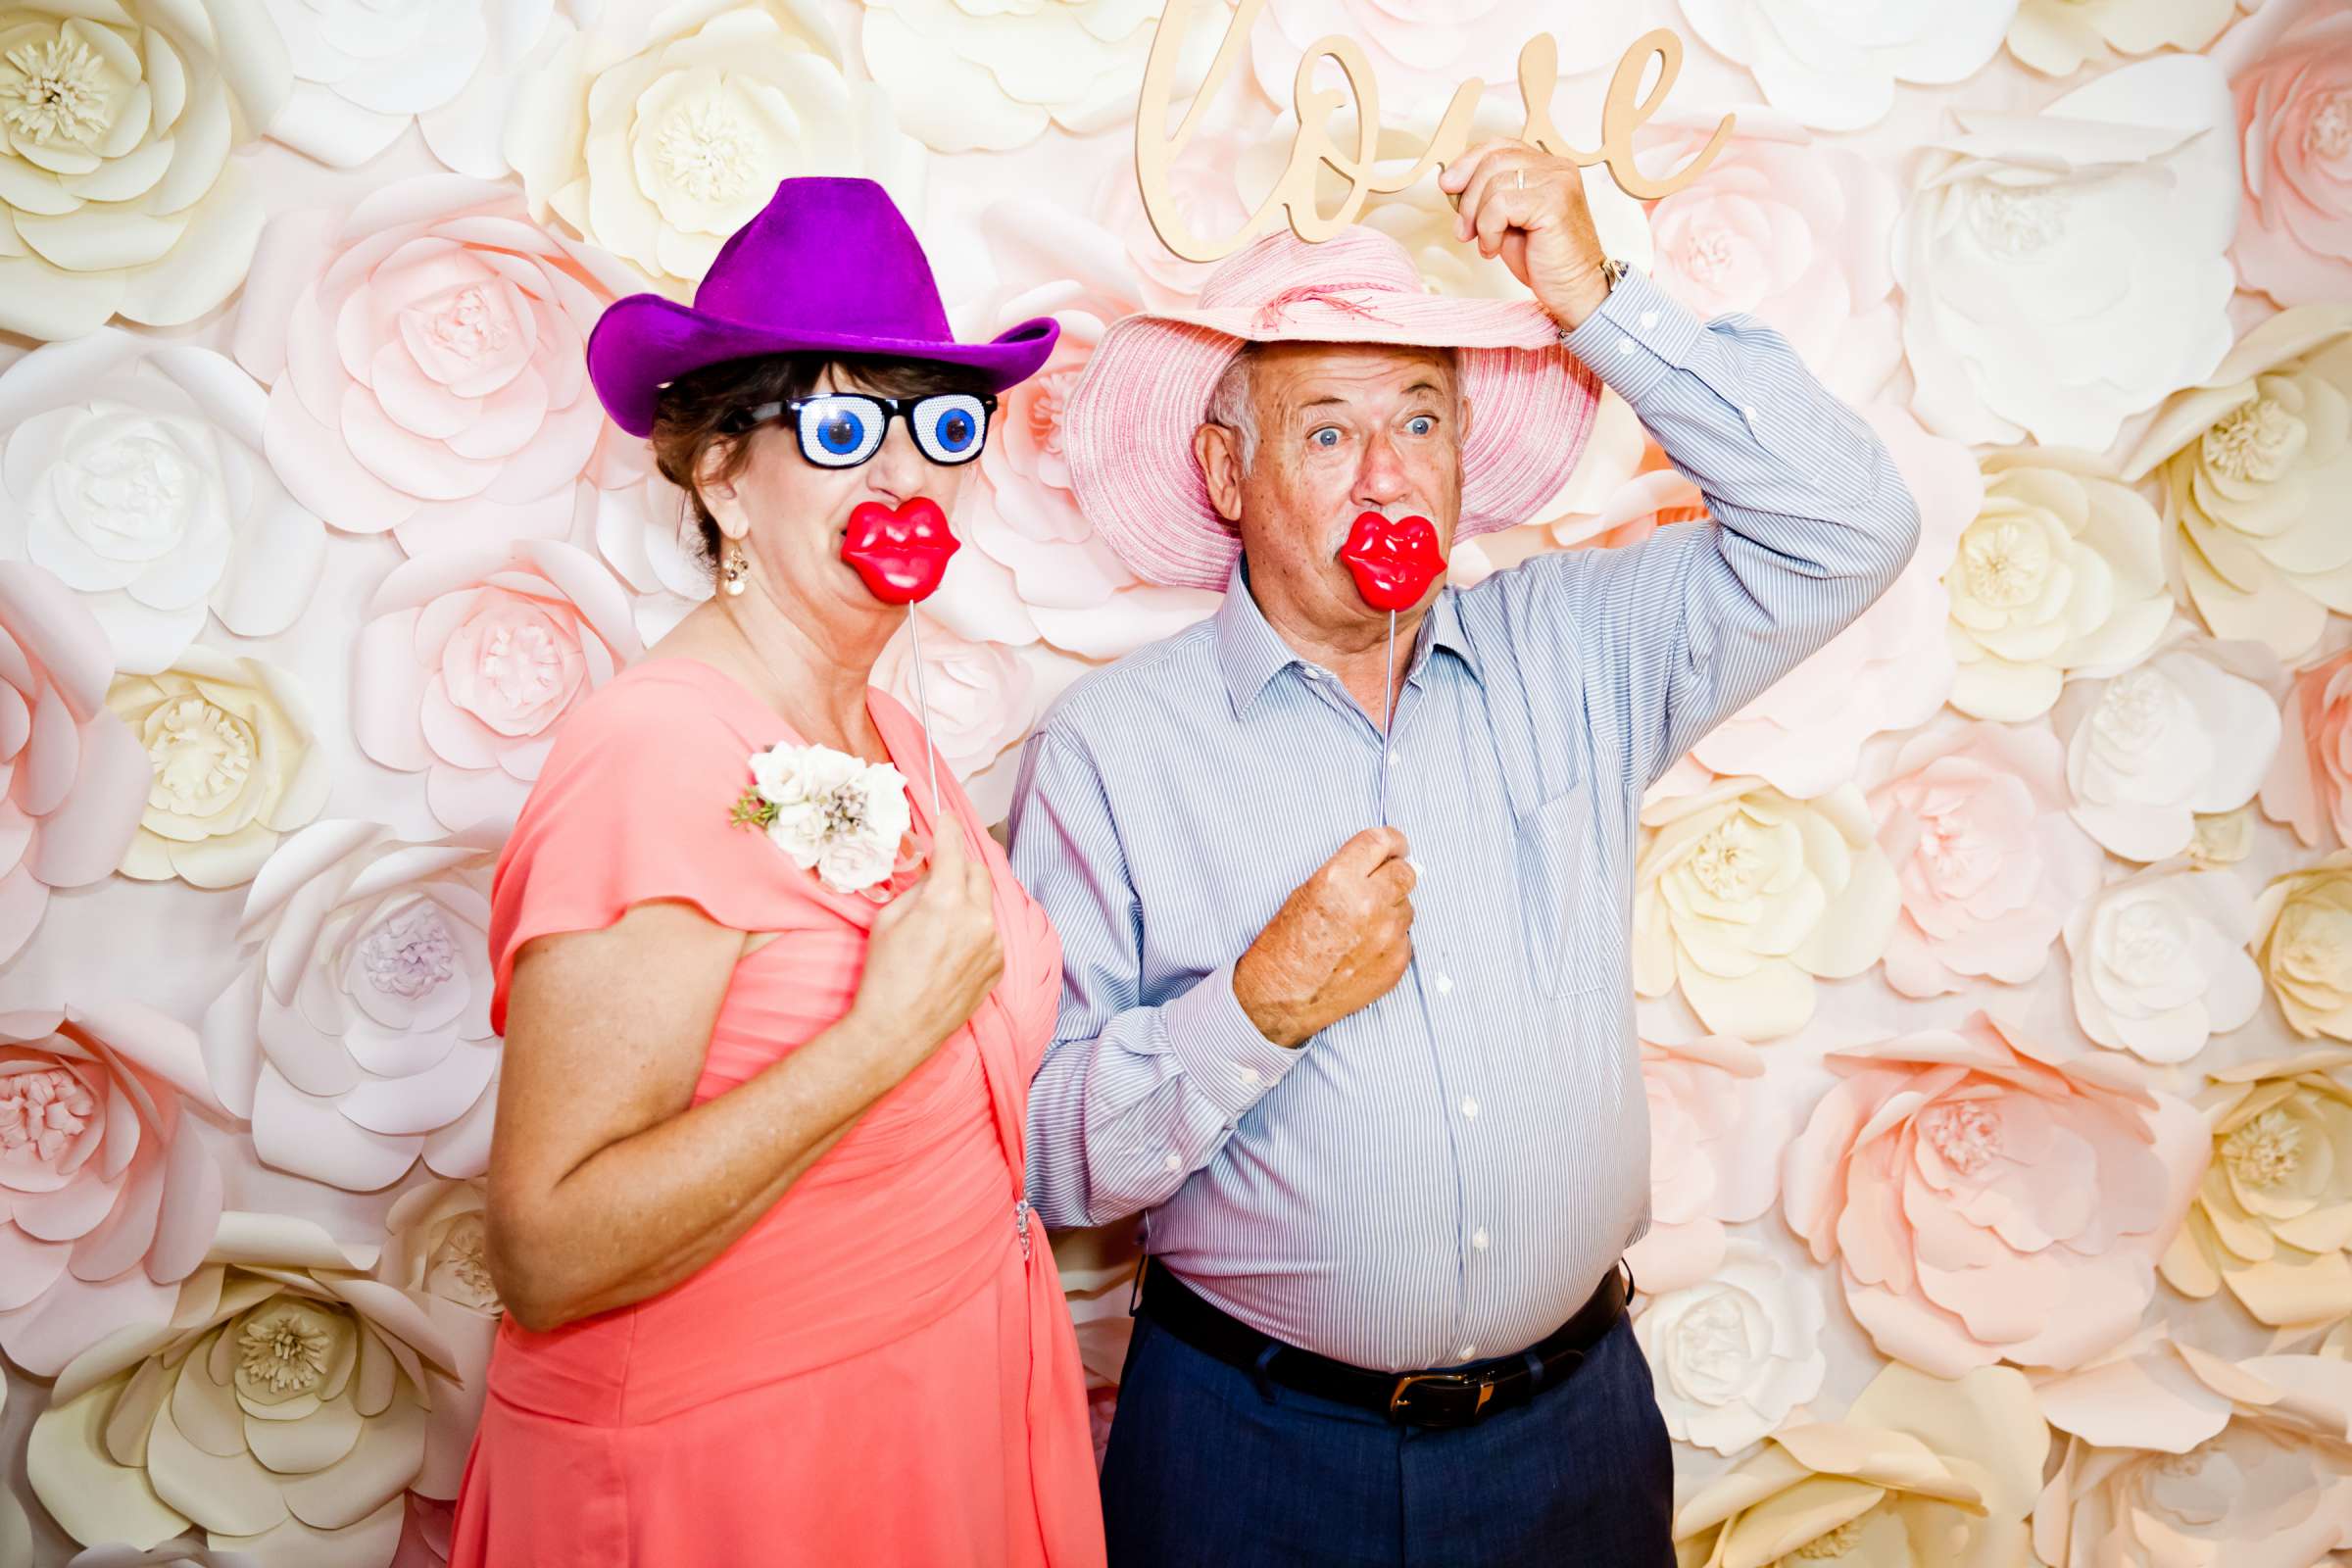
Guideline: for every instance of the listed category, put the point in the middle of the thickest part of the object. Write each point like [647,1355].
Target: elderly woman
[756,1190]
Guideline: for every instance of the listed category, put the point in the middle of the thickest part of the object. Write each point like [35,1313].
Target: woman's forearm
[645,1212]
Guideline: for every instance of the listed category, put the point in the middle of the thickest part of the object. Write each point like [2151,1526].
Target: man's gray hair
[1232,403]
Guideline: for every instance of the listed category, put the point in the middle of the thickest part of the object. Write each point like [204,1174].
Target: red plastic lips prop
[1392,560]
[901,554]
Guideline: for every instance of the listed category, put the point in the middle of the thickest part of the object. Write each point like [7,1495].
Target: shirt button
[1478,1237]
[1466,1353]
[1625,345]
[1470,1108]
[1445,984]
[1249,1077]
[1392,758]
[1418,868]
[1175,1163]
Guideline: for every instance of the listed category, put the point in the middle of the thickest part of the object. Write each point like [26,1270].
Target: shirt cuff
[1226,1061]
[1637,339]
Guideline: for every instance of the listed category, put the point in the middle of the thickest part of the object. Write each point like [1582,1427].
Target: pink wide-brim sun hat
[1128,430]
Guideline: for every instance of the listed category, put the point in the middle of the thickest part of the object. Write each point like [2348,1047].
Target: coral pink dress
[881,1370]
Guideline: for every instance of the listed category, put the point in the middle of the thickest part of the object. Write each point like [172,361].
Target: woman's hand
[934,952]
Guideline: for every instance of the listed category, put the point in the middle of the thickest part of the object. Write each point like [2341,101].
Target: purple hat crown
[828,266]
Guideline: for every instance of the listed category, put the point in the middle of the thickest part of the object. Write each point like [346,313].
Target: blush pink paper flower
[2291,72]
[1986,1201]
[1715,1140]
[108,1198]
[1973,818]
[469,657]
[436,1250]
[426,353]
[73,779]
[2309,787]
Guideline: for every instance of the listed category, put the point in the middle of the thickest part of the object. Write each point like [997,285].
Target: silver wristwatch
[1613,269]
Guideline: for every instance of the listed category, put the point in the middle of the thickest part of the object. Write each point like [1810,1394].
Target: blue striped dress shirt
[1445,1175]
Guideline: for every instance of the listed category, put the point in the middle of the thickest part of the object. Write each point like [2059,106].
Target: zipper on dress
[1020,1221]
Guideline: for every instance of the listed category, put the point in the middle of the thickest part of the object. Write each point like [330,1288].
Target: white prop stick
[923,703]
[1387,677]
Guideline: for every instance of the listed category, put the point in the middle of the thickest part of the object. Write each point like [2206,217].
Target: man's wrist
[1577,305]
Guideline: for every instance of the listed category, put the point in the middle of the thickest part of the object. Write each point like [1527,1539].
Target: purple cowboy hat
[827,266]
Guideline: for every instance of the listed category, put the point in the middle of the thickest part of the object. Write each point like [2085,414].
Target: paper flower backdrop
[2060,36]
[2310,784]
[436,1252]
[1714,1156]
[2159,963]
[2294,236]
[2303,940]
[1835,66]
[1734,1354]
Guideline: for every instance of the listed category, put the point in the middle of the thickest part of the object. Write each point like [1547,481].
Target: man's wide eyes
[1421,424]
[1328,436]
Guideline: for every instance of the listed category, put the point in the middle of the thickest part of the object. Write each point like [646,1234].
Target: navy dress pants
[1211,1467]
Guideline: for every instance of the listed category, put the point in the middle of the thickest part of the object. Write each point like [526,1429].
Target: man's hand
[1340,942]
[1524,205]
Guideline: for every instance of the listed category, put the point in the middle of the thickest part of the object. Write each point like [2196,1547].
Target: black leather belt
[1458,1396]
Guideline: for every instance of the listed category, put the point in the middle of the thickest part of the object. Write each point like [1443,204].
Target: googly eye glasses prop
[899,553]
[1393,561]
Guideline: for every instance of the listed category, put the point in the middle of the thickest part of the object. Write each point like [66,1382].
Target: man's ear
[1461,421]
[1218,451]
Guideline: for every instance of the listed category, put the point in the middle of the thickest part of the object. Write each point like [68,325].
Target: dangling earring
[736,568]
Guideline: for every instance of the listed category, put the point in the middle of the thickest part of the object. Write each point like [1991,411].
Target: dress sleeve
[633,805]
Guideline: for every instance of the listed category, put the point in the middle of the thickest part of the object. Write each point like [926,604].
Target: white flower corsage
[839,816]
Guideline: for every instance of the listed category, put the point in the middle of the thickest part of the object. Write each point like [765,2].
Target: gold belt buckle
[1485,1390]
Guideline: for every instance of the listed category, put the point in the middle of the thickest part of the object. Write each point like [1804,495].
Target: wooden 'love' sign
[1155,151]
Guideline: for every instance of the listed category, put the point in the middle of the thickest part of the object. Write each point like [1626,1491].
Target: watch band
[1612,270]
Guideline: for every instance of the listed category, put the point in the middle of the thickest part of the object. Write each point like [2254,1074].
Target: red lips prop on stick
[1392,560]
[900,556]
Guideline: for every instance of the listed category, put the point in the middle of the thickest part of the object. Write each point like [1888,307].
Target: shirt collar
[1251,653]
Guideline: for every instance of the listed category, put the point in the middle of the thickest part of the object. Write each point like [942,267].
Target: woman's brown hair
[695,412]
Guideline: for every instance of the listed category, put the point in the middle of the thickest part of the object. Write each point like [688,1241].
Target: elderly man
[1374,1084]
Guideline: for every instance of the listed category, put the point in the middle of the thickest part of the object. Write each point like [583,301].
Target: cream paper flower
[1746,897]
[2273,1219]
[1715,1141]
[2190,728]
[1419,55]
[2159,963]
[1921,1473]
[282,1409]
[116,193]
[436,1250]
[1733,1355]
[134,469]
[235,766]
[1834,65]
[658,137]
[2256,463]
[2061,569]
[2303,940]
[356,1034]
[2059,37]
[2017,317]
[2177,1458]
[109,1196]
[364,71]
[1973,818]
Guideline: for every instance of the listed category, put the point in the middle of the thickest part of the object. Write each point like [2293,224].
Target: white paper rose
[235,766]
[436,1249]
[2190,728]
[658,136]
[427,354]
[1745,896]
[282,1409]
[2018,315]
[1973,818]
[1834,65]
[2059,37]
[134,471]
[469,658]
[2303,940]
[1715,1140]
[364,71]
[355,1037]
[2256,464]
[2062,569]
[1734,1354]
[118,196]
[2159,963]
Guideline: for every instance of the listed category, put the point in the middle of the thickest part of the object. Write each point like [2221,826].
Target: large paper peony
[234,762]
[2160,963]
[427,354]
[658,136]
[1745,896]
[2061,569]
[118,196]
[108,1198]
[2273,1219]
[2292,69]
[1986,1201]
[2256,464]
[2189,729]
[75,778]
[469,657]
[282,1409]
[134,469]
[1834,64]
[1973,818]
[1715,1140]
[2303,940]
[1921,1473]
[364,73]
[356,1038]
[1734,1354]
[2017,317]
[2310,784]
[2176,1457]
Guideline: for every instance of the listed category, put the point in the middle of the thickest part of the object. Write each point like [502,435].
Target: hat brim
[643,342]
[1129,427]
